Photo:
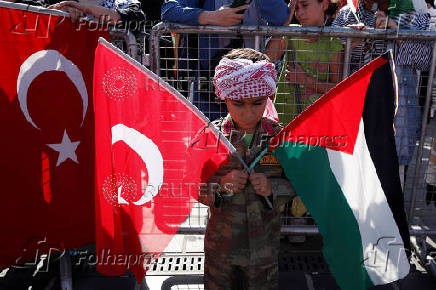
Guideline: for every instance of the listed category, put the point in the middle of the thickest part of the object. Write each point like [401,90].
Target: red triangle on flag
[342,106]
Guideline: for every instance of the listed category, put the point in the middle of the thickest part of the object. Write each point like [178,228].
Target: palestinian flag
[340,156]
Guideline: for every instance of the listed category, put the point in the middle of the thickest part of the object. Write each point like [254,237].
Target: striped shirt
[369,49]
[417,53]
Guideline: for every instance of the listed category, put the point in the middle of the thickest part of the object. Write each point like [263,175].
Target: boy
[243,234]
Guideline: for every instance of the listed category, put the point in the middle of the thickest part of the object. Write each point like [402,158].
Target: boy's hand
[260,183]
[234,181]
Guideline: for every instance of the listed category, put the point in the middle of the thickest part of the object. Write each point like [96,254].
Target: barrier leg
[65,272]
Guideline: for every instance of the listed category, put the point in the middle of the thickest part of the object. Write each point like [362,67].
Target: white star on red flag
[66,149]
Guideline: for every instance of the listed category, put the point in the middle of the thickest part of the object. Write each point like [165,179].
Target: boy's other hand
[234,181]
[260,183]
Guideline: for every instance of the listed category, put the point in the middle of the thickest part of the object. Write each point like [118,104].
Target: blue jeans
[409,117]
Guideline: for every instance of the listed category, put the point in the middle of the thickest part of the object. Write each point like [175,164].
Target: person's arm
[336,68]
[276,45]
[274,12]
[275,48]
[182,11]
[224,16]
[298,76]
[108,15]
[189,13]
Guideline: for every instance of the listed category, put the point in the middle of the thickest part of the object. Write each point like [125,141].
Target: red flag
[153,147]
[47,177]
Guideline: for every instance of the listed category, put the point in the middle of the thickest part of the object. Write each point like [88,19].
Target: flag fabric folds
[153,151]
[46,123]
[340,156]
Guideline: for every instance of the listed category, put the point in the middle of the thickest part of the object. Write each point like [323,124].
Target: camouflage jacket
[242,230]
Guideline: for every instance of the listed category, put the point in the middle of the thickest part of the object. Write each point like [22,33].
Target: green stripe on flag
[308,169]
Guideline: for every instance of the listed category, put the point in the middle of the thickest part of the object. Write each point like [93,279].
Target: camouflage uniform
[242,231]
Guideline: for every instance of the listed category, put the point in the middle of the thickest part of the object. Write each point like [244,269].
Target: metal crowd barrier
[192,78]
[126,41]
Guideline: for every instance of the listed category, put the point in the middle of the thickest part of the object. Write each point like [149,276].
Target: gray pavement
[302,267]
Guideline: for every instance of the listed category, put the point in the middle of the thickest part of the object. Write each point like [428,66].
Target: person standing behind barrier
[312,65]
[212,47]
[364,17]
[242,238]
[410,56]
[432,11]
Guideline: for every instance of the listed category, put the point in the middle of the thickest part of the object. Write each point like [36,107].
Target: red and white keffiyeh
[241,78]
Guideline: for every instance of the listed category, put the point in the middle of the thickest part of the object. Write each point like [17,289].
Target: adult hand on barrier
[234,181]
[225,16]
[104,14]
[383,22]
[75,13]
[360,27]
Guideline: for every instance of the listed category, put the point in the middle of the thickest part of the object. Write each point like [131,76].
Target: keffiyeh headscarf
[241,78]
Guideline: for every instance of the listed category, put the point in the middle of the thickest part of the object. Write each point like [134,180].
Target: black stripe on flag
[378,118]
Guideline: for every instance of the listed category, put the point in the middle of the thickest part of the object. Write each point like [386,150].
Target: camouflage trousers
[219,276]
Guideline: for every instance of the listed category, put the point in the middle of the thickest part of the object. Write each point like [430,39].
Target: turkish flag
[153,148]
[46,124]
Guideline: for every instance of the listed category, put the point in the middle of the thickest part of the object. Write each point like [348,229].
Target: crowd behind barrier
[162,50]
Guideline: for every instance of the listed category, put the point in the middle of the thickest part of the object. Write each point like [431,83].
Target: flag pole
[248,169]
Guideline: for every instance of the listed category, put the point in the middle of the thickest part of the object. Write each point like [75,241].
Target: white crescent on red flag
[45,89]
[149,160]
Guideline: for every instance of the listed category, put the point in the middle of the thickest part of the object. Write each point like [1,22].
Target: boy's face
[246,113]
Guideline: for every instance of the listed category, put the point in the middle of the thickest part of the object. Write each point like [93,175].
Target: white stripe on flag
[383,250]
